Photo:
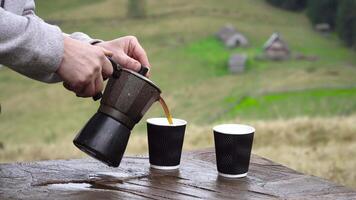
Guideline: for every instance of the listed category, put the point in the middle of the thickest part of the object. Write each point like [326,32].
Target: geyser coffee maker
[127,97]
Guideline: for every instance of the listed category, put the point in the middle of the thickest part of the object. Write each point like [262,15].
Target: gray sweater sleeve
[32,47]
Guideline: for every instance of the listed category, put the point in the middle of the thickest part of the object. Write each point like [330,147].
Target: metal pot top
[142,77]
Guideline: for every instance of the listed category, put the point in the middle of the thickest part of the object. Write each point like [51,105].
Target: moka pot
[127,97]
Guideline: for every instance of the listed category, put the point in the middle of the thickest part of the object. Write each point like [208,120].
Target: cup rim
[162,121]
[234,129]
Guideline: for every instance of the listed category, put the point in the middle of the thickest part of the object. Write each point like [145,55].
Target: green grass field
[304,112]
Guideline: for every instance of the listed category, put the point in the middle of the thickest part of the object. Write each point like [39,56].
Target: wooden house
[276,48]
[231,37]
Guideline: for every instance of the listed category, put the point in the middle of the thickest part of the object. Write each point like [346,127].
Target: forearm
[30,46]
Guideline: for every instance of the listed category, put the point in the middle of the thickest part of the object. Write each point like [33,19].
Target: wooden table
[196,179]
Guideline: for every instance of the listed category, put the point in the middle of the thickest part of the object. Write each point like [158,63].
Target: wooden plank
[196,179]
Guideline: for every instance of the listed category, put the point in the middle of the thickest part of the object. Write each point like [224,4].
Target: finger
[140,54]
[78,88]
[107,69]
[89,90]
[127,62]
[66,86]
[99,84]
[107,52]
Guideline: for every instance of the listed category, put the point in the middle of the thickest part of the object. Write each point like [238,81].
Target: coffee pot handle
[143,71]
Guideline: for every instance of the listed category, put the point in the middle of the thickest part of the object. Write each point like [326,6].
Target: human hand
[127,52]
[83,67]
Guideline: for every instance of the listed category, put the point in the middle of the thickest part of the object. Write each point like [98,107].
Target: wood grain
[196,179]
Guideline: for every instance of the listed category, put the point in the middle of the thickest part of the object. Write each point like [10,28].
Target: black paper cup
[233,144]
[165,142]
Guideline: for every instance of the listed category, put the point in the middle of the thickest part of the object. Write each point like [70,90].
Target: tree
[346,22]
[136,8]
[289,4]
[322,11]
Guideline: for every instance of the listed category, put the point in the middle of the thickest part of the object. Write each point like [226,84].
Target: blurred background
[287,67]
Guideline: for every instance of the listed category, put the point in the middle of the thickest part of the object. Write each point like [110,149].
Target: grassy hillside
[304,111]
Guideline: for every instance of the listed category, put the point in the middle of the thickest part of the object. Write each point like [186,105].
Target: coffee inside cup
[163,122]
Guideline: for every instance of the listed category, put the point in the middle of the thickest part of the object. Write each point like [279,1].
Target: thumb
[126,61]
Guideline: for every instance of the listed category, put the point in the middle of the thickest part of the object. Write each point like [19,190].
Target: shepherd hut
[231,37]
[276,48]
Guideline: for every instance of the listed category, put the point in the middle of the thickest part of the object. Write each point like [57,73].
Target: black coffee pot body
[127,97]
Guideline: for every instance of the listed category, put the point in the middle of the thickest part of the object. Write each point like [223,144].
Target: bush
[346,22]
[322,11]
[289,4]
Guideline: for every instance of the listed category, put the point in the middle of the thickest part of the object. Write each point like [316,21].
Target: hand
[127,52]
[83,67]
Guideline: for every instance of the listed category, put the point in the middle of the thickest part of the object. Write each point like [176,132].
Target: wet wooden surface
[196,179]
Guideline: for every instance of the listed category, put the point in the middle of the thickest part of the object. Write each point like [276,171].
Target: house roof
[274,37]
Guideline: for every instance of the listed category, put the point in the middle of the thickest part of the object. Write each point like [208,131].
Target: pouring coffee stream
[166,110]
[127,97]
